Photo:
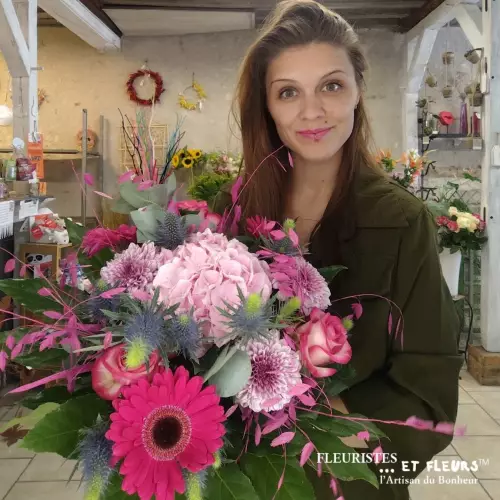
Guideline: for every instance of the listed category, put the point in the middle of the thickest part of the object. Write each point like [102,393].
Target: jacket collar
[378,200]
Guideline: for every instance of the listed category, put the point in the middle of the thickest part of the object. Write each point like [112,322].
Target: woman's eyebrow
[292,80]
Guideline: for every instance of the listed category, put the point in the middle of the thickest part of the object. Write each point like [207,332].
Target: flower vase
[450,266]
[464,121]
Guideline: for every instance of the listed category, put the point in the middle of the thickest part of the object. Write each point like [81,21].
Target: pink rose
[453,226]
[109,373]
[442,220]
[323,340]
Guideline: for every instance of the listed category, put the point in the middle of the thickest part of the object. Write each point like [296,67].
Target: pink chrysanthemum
[164,427]
[275,371]
[295,277]
[136,267]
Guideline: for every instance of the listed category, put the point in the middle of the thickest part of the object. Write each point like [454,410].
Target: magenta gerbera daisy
[295,277]
[162,427]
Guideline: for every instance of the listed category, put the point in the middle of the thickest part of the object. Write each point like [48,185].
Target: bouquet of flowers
[461,231]
[412,164]
[198,364]
[187,158]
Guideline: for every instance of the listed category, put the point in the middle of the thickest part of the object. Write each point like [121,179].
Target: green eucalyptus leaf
[147,219]
[120,206]
[233,375]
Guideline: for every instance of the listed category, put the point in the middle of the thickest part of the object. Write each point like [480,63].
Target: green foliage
[24,292]
[265,472]
[233,375]
[29,421]
[59,431]
[207,186]
[229,482]
[50,358]
[329,273]
[55,394]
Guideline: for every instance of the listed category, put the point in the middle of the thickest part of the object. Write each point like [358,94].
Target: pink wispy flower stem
[390,302]
[400,423]
[250,178]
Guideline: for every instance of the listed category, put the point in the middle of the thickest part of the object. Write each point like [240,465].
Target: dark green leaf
[343,428]
[56,394]
[326,442]
[265,472]
[50,358]
[76,232]
[228,482]
[59,431]
[25,292]
[330,272]
[114,490]
[17,333]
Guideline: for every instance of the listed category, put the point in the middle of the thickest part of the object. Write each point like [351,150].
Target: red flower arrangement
[159,88]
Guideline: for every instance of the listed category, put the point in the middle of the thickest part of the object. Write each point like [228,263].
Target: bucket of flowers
[458,233]
[198,364]
[411,164]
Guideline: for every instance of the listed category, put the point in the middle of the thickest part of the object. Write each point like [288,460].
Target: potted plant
[458,232]
[412,164]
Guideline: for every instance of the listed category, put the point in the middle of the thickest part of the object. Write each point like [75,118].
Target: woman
[301,94]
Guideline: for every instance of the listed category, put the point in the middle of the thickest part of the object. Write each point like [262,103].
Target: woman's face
[311,95]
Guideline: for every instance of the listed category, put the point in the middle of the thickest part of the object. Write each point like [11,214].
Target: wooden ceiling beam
[419,15]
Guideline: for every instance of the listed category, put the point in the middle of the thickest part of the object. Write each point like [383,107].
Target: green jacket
[393,255]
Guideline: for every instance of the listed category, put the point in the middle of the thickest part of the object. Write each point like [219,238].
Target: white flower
[453,211]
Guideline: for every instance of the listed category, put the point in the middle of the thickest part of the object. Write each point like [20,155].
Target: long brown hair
[293,23]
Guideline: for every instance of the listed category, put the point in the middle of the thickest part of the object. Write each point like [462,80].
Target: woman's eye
[287,93]
[332,87]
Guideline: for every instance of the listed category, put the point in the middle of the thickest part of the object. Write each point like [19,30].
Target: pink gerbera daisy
[295,277]
[164,427]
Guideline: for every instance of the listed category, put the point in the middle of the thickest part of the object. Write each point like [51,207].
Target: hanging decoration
[191,105]
[91,139]
[42,96]
[132,92]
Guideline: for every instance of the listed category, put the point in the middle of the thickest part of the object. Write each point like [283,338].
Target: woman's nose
[312,107]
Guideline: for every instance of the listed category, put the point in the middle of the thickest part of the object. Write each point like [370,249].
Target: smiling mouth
[315,135]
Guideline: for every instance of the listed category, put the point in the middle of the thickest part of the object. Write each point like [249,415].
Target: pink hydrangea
[207,271]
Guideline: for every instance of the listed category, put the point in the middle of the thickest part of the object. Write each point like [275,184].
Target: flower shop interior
[91,89]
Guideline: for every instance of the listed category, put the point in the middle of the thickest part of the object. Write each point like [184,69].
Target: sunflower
[175,161]
[187,162]
[196,153]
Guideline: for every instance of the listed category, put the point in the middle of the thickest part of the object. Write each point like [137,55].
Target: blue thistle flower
[96,304]
[144,332]
[171,231]
[250,319]
[182,331]
[284,246]
[95,454]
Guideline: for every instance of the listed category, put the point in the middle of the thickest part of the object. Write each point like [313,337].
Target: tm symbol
[484,462]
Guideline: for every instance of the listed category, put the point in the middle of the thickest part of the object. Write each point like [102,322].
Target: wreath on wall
[200,94]
[132,92]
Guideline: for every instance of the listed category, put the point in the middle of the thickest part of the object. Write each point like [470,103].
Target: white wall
[75,76]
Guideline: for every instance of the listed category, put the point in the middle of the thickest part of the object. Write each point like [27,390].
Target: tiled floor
[24,476]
